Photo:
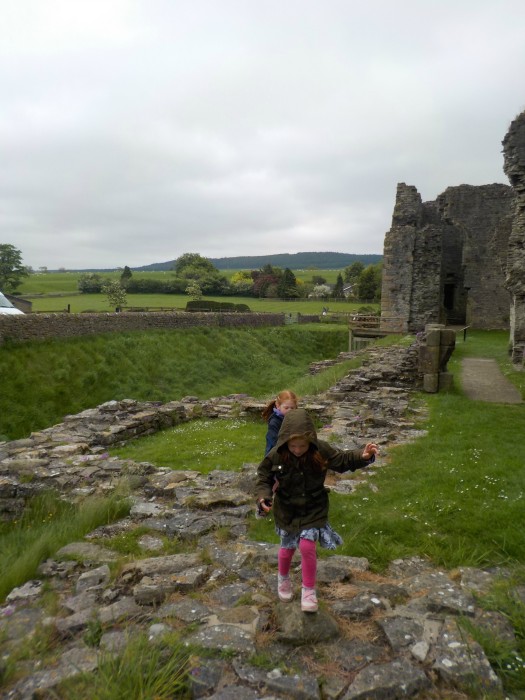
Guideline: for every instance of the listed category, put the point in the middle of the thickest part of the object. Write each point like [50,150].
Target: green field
[58,291]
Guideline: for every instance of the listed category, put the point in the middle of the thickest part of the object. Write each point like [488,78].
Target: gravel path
[482,380]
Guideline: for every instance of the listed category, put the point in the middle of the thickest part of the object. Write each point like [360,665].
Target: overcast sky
[133,131]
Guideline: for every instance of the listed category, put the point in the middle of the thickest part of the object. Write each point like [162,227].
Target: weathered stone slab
[223,638]
[156,566]
[87,551]
[394,680]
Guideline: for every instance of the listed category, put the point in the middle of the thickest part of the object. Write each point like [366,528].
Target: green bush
[217,306]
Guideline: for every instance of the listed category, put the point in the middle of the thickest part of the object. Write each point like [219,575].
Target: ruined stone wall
[514,166]
[483,218]
[426,272]
[444,261]
[398,254]
[46,326]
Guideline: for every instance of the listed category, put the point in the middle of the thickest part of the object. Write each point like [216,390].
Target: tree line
[196,276]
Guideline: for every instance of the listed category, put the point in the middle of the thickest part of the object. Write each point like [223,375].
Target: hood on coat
[296,423]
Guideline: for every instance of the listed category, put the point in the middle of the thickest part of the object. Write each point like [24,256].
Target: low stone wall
[46,326]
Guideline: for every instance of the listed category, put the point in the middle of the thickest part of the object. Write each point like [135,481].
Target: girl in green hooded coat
[299,463]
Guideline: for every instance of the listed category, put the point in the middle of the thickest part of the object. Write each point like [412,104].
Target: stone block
[429,358]
[433,334]
[431,383]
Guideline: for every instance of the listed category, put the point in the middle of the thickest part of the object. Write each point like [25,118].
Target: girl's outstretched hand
[264,506]
[370,450]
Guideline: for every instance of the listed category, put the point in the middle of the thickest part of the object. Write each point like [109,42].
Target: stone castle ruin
[460,260]
[445,261]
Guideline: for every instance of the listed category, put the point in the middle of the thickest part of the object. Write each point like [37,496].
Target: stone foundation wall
[46,326]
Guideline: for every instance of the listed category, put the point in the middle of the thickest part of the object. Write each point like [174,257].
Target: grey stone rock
[205,676]
[362,606]
[87,552]
[77,622]
[298,628]
[146,510]
[72,663]
[150,544]
[230,594]
[461,663]
[420,650]
[157,566]
[401,632]
[187,610]
[95,578]
[30,589]
[389,681]
[16,624]
[352,654]
[124,609]
[152,590]
[223,637]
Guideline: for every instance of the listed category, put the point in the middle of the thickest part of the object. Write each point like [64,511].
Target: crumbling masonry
[445,261]
[514,155]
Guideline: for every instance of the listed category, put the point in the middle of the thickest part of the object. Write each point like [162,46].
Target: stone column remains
[433,357]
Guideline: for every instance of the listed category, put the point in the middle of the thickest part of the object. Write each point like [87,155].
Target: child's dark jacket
[274,425]
[301,499]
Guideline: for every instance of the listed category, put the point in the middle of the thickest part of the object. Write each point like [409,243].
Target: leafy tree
[320,291]
[318,279]
[11,268]
[90,283]
[369,283]
[194,291]
[214,283]
[241,283]
[115,293]
[126,275]
[353,271]
[266,281]
[287,286]
[338,292]
[193,265]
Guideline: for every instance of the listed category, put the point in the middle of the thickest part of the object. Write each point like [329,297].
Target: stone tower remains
[514,167]
[445,261]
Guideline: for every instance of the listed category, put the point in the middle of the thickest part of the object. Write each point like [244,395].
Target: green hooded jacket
[300,499]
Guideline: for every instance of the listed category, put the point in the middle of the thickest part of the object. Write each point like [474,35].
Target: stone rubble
[390,636]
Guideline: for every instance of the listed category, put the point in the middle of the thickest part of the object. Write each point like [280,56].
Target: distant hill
[295,261]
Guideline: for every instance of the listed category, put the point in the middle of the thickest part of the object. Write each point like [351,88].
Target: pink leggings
[308,562]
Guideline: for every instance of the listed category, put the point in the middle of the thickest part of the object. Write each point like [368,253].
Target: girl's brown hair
[285,395]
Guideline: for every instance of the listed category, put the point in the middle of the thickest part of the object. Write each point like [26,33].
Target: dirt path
[482,380]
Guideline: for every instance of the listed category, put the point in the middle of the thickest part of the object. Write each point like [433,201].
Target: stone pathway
[482,380]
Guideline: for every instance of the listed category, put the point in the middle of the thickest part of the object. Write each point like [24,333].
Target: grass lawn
[81,303]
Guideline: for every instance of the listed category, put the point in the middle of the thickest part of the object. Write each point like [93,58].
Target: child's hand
[264,505]
[370,450]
